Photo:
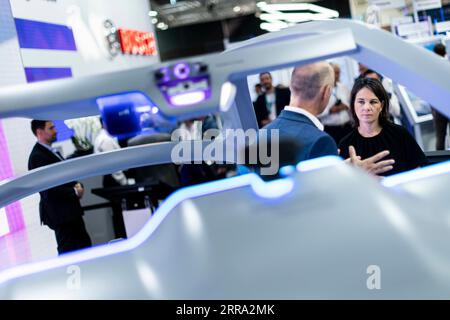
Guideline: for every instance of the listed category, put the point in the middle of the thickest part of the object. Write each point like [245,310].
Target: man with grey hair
[311,87]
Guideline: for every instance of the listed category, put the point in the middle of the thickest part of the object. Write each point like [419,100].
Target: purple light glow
[13,211]
[165,72]
[199,90]
[188,98]
[181,71]
[15,250]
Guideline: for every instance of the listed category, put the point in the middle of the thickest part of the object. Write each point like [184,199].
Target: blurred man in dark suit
[60,207]
[271,102]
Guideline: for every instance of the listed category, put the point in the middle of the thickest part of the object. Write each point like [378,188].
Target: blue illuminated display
[41,35]
[43,74]
[124,115]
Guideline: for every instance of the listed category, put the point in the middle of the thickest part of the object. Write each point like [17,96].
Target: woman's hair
[377,88]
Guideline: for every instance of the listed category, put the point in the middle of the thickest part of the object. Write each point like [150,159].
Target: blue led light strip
[417,174]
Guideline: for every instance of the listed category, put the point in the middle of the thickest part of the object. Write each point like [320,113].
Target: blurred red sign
[137,42]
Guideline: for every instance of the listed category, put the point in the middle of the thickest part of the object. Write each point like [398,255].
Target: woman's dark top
[401,145]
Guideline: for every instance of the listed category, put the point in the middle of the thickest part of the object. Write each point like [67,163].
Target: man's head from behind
[44,130]
[311,86]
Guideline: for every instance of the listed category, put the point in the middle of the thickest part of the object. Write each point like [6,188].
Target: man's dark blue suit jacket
[293,125]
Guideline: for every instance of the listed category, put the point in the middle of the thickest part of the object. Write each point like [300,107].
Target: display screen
[137,42]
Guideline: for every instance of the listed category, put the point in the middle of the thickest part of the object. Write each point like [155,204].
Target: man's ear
[326,92]
[329,89]
[40,132]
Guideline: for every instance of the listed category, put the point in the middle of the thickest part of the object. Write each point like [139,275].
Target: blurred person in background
[105,142]
[271,102]
[60,207]
[336,116]
[440,120]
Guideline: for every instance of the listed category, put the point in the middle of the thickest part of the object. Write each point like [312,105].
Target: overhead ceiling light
[271,27]
[237,9]
[261,4]
[298,7]
[329,12]
[280,24]
[154,20]
[280,15]
[294,17]
[162,26]
[153,13]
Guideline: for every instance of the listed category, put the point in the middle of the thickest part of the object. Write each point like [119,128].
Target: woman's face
[367,106]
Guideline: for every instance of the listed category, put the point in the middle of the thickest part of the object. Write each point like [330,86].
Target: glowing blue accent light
[273,189]
[144,109]
[318,163]
[417,174]
[287,171]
